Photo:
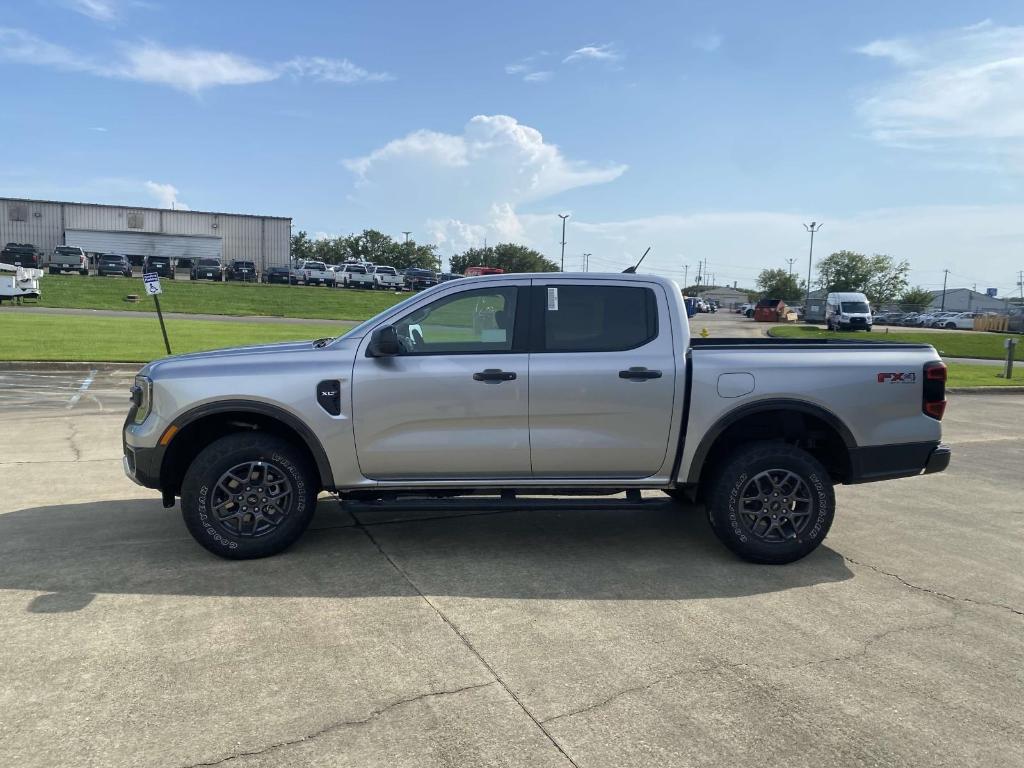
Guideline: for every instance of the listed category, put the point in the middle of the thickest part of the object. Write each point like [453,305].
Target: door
[602,382]
[454,403]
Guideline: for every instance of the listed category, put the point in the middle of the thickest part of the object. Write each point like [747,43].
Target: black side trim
[886,462]
[773,342]
[701,454]
[686,417]
[310,439]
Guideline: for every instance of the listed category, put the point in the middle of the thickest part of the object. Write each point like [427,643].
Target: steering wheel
[417,337]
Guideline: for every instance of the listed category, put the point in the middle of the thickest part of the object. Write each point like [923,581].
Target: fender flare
[761,406]
[308,437]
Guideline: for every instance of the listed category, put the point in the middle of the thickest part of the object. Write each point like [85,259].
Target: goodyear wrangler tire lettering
[771,502]
[248,495]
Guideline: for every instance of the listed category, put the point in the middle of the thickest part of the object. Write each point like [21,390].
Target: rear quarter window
[598,318]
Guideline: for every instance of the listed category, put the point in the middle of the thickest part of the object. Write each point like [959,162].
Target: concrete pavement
[464,633]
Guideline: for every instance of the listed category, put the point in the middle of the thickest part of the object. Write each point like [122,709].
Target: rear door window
[597,318]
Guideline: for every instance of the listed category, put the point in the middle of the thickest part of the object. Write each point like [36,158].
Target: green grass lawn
[948,343]
[183,295]
[129,339]
[968,375]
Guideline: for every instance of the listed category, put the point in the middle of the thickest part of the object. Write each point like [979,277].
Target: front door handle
[639,374]
[494,374]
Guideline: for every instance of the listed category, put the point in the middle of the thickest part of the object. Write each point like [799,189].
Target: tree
[510,257]
[779,284]
[916,298]
[302,246]
[879,277]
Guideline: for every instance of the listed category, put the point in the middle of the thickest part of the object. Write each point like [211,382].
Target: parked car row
[933,319]
[70,258]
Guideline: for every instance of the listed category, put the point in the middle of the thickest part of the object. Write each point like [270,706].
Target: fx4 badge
[897,378]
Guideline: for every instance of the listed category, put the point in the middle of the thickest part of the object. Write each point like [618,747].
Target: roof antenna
[632,270]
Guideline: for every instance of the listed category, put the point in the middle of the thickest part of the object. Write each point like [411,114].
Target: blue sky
[706,130]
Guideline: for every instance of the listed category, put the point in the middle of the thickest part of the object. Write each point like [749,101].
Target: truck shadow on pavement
[580,550]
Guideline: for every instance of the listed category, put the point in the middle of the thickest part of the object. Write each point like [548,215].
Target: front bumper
[141,464]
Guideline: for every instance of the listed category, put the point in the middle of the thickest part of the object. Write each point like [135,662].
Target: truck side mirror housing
[384,342]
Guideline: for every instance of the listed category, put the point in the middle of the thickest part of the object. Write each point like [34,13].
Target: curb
[14,365]
[1011,389]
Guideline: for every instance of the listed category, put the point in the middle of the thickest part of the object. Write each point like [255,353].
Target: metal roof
[140,208]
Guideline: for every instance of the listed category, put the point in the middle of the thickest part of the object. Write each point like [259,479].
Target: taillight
[933,397]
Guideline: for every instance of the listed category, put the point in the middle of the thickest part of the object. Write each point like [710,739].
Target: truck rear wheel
[248,495]
[771,503]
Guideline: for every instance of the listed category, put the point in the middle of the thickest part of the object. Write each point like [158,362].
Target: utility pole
[812,228]
[945,277]
[686,275]
[790,266]
[586,261]
[1020,283]
[563,217]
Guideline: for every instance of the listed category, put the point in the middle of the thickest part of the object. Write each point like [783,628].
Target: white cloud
[332,70]
[191,70]
[98,129]
[166,195]
[530,68]
[470,185]
[186,69]
[101,10]
[708,43]
[605,52]
[962,89]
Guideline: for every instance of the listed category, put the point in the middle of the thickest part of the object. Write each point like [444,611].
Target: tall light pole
[686,275]
[563,217]
[945,277]
[407,232]
[812,228]
[790,266]
[586,261]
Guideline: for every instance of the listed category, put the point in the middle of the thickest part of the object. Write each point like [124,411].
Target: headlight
[142,398]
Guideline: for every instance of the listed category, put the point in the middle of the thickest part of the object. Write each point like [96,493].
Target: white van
[847,312]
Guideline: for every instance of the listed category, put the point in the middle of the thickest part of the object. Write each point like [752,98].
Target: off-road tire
[726,511]
[200,487]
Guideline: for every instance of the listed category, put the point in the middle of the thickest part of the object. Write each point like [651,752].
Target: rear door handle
[639,374]
[494,374]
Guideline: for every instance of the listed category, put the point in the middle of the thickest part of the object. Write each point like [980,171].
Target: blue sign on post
[992,292]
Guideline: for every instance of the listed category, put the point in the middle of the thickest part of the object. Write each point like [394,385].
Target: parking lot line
[86,383]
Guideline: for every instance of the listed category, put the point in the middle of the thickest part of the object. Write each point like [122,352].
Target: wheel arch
[203,424]
[810,426]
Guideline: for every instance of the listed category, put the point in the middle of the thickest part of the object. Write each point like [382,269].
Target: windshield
[318,265]
[67,251]
[385,270]
[360,329]
[855,308]
[110,258]
[359,270]
[245,265]
[209,263]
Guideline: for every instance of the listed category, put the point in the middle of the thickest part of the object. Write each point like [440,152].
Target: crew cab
[387,278]
[206,269]
[164,266]
[353,275]
[544,383]
[313,273]
[68,258]
[242,271]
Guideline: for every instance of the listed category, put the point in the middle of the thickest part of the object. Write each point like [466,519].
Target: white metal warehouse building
[138,232]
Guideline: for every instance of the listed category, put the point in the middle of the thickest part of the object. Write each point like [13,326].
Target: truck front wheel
[248,495]
[771,503]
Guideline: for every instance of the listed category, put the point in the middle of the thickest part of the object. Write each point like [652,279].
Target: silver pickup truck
[534,384]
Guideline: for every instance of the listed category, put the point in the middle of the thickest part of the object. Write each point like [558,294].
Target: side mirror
[384,342]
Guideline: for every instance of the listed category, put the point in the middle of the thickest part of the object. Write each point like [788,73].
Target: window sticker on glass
[552,299]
